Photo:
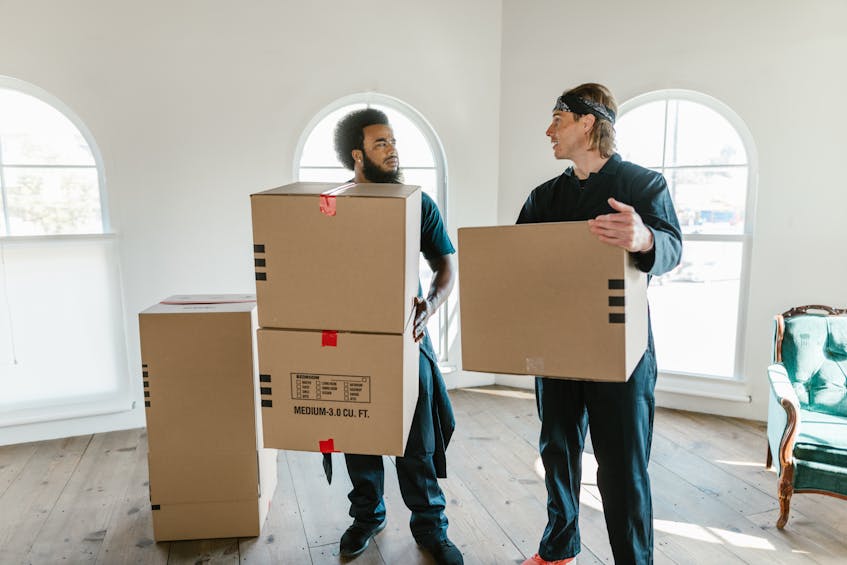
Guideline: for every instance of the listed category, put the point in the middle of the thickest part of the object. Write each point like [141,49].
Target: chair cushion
[814,352]
[820,453]
[822,438]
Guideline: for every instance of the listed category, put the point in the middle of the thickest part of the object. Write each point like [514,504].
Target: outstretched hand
[623,228]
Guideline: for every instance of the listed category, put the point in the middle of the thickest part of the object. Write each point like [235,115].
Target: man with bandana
[364,143]
[630,207]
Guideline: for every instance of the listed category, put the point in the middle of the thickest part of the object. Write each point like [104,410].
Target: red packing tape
[327,446]
[329,338]
[327,205]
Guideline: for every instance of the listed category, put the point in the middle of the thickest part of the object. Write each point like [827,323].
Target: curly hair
[349,132]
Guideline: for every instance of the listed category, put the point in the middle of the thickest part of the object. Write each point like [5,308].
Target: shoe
[357,537]
[537,560]
[445,553]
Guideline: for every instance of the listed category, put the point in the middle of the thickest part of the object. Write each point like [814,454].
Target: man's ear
[588,122]
[357,155]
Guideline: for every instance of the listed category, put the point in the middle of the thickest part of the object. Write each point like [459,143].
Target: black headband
[577,105]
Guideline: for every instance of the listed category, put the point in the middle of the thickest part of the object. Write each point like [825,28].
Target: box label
[330,388]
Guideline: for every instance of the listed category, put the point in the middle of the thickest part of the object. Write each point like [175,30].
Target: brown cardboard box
[550,300]
[356,396]
[337,257]
[210,476]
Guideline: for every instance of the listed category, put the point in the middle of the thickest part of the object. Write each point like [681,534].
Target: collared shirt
[562,200]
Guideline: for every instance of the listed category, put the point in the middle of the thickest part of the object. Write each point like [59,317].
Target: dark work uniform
[432,426]
[619,415]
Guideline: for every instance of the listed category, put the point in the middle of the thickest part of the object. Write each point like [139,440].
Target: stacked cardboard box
[336,275]
[210,476]
[550,300]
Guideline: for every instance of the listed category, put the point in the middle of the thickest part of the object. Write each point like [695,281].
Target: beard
[374,173]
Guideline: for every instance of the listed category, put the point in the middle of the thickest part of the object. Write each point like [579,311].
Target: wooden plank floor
[85,499]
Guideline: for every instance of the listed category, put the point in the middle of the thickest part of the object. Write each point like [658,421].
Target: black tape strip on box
[617,301]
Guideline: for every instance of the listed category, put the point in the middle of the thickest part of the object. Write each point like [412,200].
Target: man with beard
[630,207]
[364,143]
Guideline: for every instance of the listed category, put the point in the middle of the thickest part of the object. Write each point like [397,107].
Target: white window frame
[435,146]
[679,381]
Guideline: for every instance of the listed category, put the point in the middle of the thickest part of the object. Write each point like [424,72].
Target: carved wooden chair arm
[784,415]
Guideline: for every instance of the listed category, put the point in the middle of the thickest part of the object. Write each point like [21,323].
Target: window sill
[703,386]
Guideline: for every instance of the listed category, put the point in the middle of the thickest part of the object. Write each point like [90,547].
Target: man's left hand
[423,310]
[623,228]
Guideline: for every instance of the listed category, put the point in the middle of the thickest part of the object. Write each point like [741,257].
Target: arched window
[707,156]
[62,335]
[421,160]
[49,180]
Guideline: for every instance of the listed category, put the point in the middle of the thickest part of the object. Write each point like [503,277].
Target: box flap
[194,303]
[301,188]
[380,190]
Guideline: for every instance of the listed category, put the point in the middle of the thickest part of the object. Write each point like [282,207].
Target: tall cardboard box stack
[550,300]
[336,275]
[210,476]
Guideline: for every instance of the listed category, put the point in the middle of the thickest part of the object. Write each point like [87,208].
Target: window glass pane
[69,343]
[698,135]
[694,310]
[52,201]
[3,230]
[640,134]
[424,178]
[319,149]
[326,174]
[709,200]
[412,147]
[34,133]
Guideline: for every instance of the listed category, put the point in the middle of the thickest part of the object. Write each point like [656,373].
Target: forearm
[443,279]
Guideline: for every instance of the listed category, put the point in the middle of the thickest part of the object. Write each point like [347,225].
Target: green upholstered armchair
[807,410]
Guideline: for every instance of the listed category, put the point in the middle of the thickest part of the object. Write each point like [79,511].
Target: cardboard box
[550,300]
[210,475]
[337,257]
[348,392]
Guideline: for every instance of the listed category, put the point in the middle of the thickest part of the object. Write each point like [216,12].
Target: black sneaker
[357,537]
[445,553]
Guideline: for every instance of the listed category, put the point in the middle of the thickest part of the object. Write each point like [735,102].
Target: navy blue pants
[620,419]
[416,474]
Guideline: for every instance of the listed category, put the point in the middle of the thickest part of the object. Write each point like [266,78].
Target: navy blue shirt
[562,199]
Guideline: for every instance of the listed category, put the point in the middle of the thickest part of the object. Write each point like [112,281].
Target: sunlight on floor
[539,468]
[740,463]
[509,393]
[743,540]
[712,535]
[688,530]
[589,468]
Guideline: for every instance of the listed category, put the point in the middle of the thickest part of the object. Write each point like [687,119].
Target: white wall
[196,104]
[779,65]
